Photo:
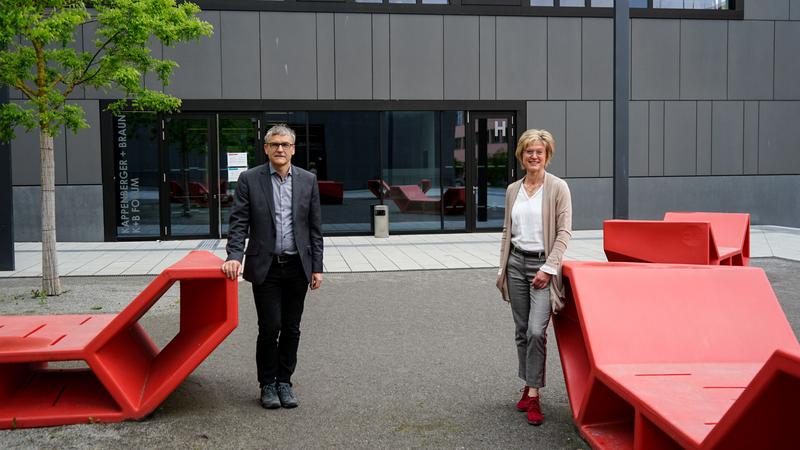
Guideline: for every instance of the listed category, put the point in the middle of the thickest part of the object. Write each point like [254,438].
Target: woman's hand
[540,280]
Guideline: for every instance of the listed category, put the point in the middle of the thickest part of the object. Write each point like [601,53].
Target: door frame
[212,167]
[473,158]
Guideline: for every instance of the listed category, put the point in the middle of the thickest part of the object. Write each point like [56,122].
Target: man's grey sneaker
[286,395]
[269,397]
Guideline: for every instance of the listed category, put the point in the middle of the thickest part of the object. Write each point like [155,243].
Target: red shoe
[522,404]
[535,416]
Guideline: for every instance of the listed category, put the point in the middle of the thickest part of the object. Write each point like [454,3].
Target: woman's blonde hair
[533,135]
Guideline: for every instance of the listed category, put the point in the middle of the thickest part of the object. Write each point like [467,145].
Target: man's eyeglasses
[275,145]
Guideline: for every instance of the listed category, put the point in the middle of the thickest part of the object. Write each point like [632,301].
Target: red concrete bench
[686,238]
[678,356]
[126,375]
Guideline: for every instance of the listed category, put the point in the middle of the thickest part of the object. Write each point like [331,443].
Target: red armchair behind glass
[127,375]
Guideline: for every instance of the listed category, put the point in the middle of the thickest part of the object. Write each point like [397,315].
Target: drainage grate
[207,244]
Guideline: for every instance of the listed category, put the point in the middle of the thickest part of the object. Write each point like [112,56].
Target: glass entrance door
[190,197]
[239,150]
[490,144]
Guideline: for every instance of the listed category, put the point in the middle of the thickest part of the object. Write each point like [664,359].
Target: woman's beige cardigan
[557,226]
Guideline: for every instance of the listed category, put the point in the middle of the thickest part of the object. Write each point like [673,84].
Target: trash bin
[380,221]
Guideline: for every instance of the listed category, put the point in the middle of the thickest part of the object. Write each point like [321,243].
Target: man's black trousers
[279,305]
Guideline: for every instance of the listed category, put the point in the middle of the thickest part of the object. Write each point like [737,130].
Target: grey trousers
[531,310]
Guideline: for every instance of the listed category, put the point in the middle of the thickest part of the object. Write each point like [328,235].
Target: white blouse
[527,232]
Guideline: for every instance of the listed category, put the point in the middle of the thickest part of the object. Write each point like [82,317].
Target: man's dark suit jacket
[254,212]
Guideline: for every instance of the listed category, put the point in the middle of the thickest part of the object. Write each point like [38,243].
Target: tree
[36,58]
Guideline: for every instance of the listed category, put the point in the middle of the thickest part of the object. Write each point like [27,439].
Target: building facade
[416,104]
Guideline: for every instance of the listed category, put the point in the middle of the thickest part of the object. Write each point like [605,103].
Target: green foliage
[39,57]
[39,294]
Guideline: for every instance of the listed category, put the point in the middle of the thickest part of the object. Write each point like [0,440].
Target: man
[278,204]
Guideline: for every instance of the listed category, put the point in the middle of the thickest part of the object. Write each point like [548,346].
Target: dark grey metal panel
[597,68]
[25,157]
[83,148]
[680,138]
[638,138]
[592,202]
[727,130]
[751,138]
[656,139]
[353,56]
[780,134]
[551,116]
[288,67]
[380,57]
[583,139]
[794,9]
[80,91]
[564,59]
[416,50]
[521,58]
[78,215]
[461,58]
[241,57]
[606,139]
[652,197]
[750,66]
[89,37]
[655,58]
[200,71]
[151,80]
[703,138]
[25,160]
[488,58]
[787,63]
[326,61]
[766,10]
[704,59]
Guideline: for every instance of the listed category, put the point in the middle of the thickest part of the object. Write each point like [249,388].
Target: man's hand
[540,280]
[231,269]
[316,280]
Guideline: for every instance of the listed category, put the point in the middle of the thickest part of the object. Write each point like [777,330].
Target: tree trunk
[51,284]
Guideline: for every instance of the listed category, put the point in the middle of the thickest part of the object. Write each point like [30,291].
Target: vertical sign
[128,193]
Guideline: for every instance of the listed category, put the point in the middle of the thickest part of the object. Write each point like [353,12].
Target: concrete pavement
[348,253]
[404,359]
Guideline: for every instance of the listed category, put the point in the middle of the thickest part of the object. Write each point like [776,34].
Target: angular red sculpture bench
[411,199]
[662,356]
[127,375]
[685,238]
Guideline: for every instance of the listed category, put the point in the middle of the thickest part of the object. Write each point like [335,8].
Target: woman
[536,230]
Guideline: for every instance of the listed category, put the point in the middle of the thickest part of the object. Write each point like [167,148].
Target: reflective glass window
[454,197]
[343,153]
[411,170]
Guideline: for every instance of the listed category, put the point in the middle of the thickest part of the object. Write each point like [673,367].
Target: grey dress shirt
[284,223]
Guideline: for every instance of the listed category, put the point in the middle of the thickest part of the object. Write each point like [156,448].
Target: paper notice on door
[237,159]
[234,172]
